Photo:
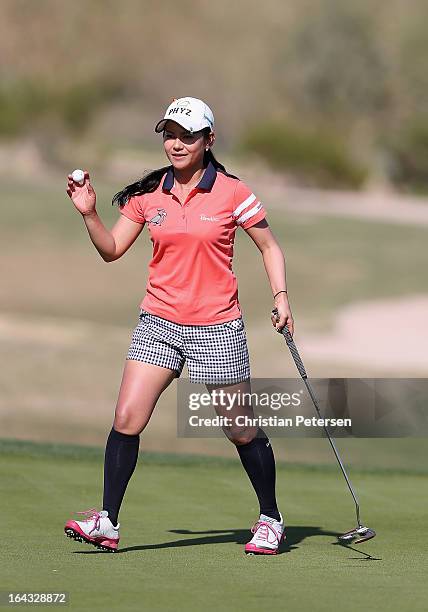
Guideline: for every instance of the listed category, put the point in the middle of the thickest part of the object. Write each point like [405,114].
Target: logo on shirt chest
[161,215]
[159,218]
[204,218]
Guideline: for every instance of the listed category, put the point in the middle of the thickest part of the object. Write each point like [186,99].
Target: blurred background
[320,107]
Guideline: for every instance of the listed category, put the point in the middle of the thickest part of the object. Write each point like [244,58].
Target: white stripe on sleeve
[243,205]
[253,211]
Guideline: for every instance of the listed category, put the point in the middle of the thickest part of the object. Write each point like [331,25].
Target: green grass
[184,524]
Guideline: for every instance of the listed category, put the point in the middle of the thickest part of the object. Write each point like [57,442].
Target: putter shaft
[301,368]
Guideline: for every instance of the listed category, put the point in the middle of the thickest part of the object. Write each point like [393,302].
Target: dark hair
[151,179]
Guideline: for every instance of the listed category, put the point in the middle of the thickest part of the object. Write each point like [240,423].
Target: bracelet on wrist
[283,291]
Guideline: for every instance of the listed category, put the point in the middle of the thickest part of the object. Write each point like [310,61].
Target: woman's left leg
[231,360]
[253,446]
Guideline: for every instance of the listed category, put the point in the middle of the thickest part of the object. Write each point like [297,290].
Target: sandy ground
[382,338]
[386,334]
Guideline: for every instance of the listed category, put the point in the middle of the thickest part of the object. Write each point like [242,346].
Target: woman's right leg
[141,387]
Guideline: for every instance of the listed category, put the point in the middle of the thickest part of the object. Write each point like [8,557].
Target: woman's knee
[128,419]
[239,437]
[142,384]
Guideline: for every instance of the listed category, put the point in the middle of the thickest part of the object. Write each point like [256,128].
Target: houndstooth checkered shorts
[214,353]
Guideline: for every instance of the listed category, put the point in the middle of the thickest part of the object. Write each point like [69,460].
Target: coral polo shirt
[190,275]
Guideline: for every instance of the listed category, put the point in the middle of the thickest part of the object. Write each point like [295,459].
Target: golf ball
[78,177]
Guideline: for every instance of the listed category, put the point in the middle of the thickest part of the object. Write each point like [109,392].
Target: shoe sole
[260,551]
[80,537]
[252,549]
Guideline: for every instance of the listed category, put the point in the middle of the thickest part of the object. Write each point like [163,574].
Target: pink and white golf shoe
[268,534]
[96,529]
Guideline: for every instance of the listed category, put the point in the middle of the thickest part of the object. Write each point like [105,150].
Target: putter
[360,533]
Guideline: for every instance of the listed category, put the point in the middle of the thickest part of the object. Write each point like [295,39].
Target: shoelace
[264,528]
[94,515]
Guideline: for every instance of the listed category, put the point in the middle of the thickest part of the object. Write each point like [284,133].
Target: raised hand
[83,196]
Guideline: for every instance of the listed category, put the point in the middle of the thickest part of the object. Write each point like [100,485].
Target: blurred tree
[331,64]
[408,155]
[316,157]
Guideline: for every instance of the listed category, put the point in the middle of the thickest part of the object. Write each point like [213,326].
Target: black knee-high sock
[121,456]
[259,463]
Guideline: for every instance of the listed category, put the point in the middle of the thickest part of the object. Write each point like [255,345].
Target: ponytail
[147,184]
[151,179]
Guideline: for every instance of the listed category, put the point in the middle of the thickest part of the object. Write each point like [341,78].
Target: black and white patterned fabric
[213,353]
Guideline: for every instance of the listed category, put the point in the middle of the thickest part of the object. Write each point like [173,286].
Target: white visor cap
[191,113]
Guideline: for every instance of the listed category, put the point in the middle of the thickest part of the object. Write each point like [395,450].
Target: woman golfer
[190,312]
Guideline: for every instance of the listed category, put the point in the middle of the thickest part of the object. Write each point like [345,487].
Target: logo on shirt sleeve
[159,218]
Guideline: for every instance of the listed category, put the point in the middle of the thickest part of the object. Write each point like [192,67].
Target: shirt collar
[206,182]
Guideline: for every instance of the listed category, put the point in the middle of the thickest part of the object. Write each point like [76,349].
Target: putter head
[357,535]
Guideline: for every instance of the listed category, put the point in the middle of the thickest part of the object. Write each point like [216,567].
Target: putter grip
[293,350]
